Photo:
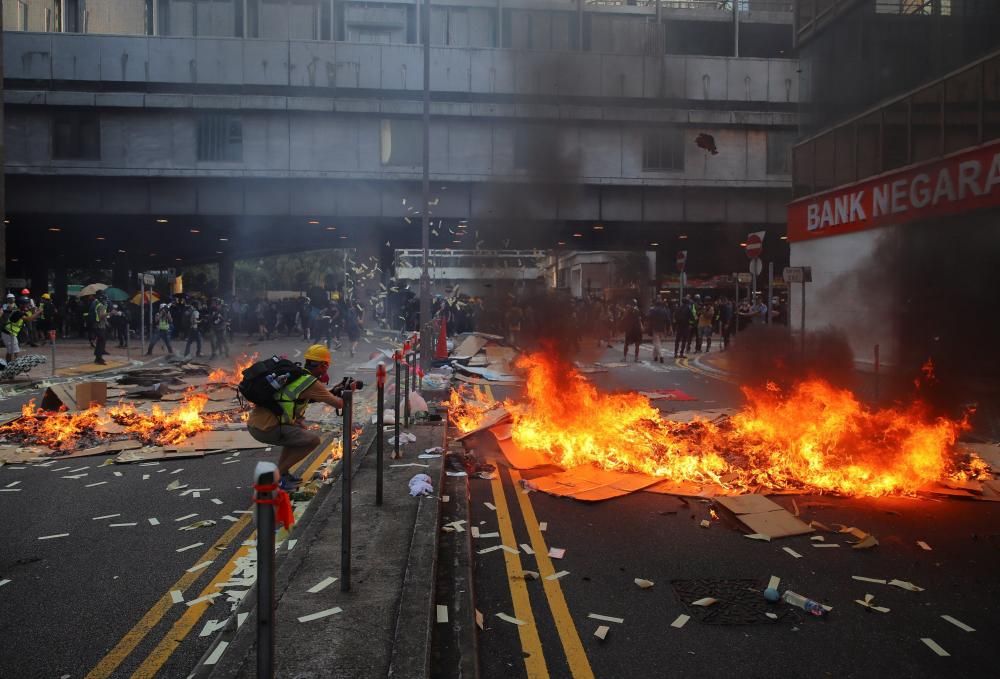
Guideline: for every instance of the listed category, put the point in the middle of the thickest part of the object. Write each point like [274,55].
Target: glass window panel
[925,123]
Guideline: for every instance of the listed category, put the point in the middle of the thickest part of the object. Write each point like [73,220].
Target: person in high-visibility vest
[285,428]
[14,318]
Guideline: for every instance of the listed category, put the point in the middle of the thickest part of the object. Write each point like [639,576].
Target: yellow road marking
[695,369]
[534,661]
[576,656]
[110,662]
[180,629]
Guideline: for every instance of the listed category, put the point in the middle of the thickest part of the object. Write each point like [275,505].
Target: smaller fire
[468,406]
[222,376]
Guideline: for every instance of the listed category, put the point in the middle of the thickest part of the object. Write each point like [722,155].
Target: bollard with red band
[406,389]
[379,430]
[265,500]
[397,357]
[345,500]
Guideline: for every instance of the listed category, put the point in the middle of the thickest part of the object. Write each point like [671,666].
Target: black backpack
[262,380]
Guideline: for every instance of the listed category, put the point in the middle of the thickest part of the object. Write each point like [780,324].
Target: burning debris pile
[813,437]
[194,412]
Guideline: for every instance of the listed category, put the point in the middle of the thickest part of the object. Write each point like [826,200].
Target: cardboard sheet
[520,458]
[493,417]
[107,448]
[480,381]
[469,347]
[591,484]
[779,524]
[154,453]
[216,440]
[687,489]
[748,504]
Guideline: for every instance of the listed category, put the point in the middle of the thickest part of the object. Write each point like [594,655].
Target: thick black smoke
[764,354]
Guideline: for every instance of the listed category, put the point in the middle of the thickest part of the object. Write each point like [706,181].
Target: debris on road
[958,623]
[680,621]
[601,632]
[923,545]
[509,618]
[934,646]
[321,614]
[867,603]
[605,618]
[643,584]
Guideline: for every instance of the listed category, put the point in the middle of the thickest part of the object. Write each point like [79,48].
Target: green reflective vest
[293,407]
[13,328]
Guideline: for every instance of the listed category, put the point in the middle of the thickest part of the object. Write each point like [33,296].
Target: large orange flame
[468,406]
[223,376]
[814,437]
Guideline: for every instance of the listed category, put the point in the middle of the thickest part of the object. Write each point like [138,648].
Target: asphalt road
[659,538]
[96,602]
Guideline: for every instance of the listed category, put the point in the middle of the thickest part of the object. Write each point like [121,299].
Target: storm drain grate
[740,602]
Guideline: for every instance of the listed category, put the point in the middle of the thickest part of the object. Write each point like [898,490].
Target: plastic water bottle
[799,601]
[277,381]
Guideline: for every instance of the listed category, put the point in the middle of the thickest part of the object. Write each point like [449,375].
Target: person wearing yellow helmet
[283,426]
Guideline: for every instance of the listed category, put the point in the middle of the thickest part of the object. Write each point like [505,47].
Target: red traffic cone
[441,351]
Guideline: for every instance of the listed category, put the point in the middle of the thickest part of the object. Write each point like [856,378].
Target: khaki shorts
[286,436]
[10,341]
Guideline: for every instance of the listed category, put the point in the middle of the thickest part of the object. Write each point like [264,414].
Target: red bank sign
[960,183]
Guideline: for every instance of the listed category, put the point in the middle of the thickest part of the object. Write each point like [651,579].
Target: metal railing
[721,5]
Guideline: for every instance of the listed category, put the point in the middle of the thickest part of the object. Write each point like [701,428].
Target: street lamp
[425,277]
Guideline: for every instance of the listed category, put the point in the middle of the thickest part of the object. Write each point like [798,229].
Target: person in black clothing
[682,328]
[632,325]
[659,323]
[726,321]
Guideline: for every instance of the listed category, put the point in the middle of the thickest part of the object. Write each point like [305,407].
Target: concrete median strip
[321,614]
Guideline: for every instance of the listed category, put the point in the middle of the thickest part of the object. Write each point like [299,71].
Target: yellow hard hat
[318,353]
[46,296]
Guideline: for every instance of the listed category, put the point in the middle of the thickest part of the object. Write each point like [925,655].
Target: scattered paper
[866,543]
[926,547]
[832,544]
[818,538]
[178,470]
[4,581]
[527,549]
[442,613]
[176,485]
[291,543]
[198,567]
[933,645]
[105,516]
[217,653]
[211,627]
[772,616]
[529,575]
[605,618]
[122,525]
[12,484]
[186,516]
[903,584]
[864,579]
[205,523]
[510,619]
[153,521]
[485,535]
[543,526]
[602,632]
[511,550]
[479,619]
[957,623]
[176,596]
[321,585]
[867,603]
[195,545]
[487,550]
[474,531]
[321,614]
[556,576]
[52,537]
[706,601]
[203,599]
[490,506]
[705,523]
[233,519]
[643,584]
[758,536]
[98,483]
[680,621]
[557,552]
[216,501]
[792,552]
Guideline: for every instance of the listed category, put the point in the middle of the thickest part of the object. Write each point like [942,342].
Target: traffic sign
[684,278]
[755,266]
[797,274]
[755,244]
[744,277]
[682,256]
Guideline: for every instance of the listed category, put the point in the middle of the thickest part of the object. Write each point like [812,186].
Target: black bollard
[395,417]
[406,390]
[266,479]
[379,432]
[345,501]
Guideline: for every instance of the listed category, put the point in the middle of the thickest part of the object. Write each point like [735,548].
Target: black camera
[347,384]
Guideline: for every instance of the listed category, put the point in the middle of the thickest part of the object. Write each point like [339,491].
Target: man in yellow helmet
[283,426]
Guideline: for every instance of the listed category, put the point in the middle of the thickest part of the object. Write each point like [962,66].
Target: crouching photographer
[280,391]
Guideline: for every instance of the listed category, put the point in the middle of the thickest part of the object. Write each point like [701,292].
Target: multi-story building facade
[145,132]
[897,179]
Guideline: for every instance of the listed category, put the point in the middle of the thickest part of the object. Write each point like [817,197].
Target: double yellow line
[534,660]
[190,617]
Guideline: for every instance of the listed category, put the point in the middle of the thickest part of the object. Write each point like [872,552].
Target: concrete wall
[838,296]
[321,142]
[400,67]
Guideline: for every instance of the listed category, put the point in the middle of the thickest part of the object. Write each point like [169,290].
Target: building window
[76,135]
[963,93]
[22,15]
[663,150]
[220,138]
[402,142]
[779,151]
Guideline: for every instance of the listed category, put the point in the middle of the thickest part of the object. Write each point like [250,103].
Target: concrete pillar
[227,278]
